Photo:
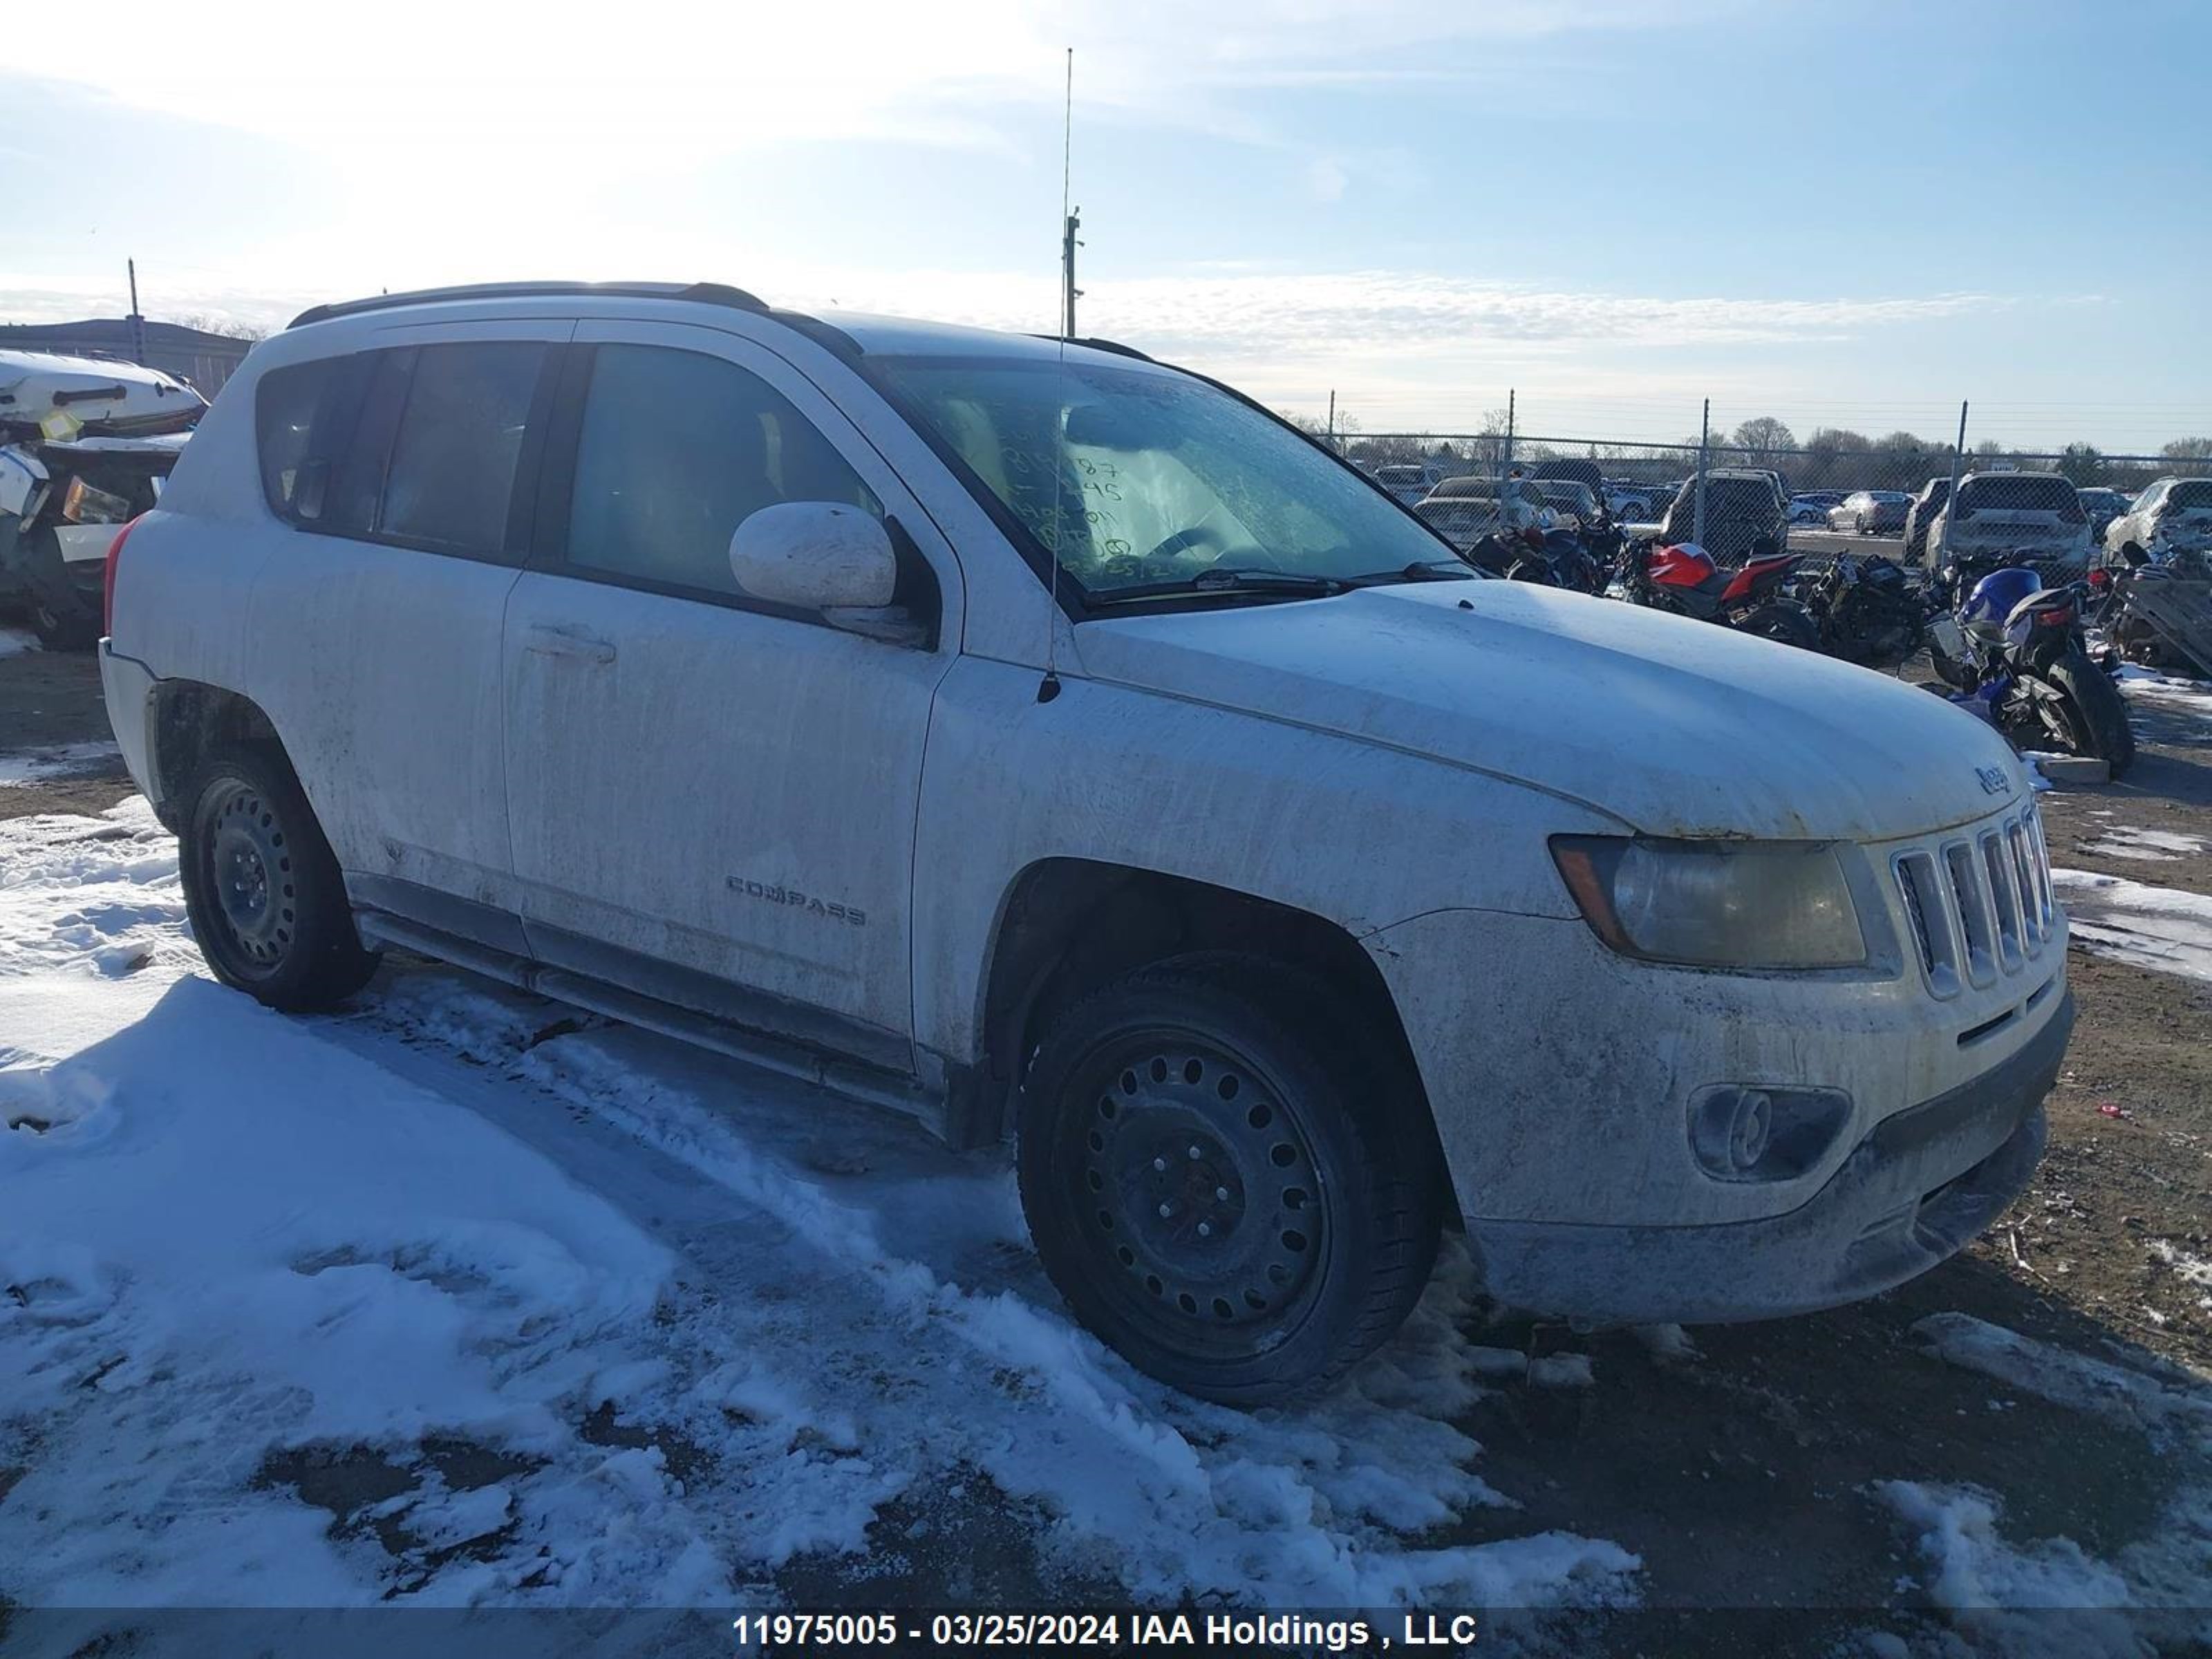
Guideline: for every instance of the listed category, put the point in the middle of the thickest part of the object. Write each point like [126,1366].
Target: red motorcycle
[1683,578]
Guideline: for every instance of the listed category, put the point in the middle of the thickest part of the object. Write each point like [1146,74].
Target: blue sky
[1849,214]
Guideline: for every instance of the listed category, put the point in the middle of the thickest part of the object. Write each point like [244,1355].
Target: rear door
[711,797]
[408,470]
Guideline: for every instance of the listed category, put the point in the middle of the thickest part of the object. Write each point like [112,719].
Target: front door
[711,799]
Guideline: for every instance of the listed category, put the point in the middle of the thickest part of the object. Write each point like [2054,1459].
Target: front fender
[1359,834]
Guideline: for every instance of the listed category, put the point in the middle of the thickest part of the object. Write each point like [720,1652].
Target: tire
[262,887]
[1227,1092]
[2093,706]
[59,630]
[1787,623]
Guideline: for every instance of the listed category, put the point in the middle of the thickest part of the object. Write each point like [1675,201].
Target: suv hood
[1672,726]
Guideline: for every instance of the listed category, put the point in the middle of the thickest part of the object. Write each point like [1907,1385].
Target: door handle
[544,640]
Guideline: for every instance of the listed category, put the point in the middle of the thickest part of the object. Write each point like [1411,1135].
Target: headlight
[1716,904]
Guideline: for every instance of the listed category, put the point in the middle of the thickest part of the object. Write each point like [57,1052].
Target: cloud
[693,79]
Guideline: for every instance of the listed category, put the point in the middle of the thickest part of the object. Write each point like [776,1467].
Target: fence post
[1937,555]
[1698,501]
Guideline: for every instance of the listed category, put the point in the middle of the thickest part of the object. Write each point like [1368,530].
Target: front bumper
[1920,1184]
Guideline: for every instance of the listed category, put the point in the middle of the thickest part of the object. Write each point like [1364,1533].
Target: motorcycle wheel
[2091,705]
[1786,623]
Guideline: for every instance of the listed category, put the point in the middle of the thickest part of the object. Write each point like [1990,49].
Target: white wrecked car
[2174,515]
[1052,743]
[85,443]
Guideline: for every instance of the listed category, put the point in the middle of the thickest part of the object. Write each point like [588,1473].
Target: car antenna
[1048,687]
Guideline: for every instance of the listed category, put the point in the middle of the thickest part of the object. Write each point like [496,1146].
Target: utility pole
[1957,461]
[1069,292]
[138,322]
[1705,441]
[1332,417]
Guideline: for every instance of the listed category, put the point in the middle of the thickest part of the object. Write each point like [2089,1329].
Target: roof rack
[721,294]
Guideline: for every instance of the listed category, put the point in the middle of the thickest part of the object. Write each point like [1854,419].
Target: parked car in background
[85,445]
[2031,518]
[1741,507]
[1630,501]
[1926,504]
[1573,469]
[2174,515]
[2103,506]
[1464,510]
[1571,499]
[1404,482]
[1870,512]
[1811,507]
[741,674]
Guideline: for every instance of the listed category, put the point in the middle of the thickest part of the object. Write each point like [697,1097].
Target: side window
[676,450]
[451,472]
[284,406]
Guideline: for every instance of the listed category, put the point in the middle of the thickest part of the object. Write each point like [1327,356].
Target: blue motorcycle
[2015,647]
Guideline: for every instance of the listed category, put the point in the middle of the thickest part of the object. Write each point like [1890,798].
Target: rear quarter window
[285,405]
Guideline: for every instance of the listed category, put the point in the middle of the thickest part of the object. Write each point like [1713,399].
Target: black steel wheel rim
[1203,1216]
[250,878]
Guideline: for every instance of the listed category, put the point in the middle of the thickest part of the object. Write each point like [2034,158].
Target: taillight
[107,577]
[2100,579]
[2057,617]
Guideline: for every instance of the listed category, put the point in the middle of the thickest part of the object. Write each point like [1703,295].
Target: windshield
[2022,492]
[1137,476]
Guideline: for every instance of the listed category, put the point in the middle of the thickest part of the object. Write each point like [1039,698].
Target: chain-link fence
[1837,492]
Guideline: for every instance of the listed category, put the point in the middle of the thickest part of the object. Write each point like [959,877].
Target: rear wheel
[1786,623]
[268,906]
[2094,713]
[1226,1186]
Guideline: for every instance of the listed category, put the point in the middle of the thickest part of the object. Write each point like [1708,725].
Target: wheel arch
[1067,925]
[193,719]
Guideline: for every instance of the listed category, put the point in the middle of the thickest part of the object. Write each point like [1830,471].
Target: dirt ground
[1744,1476]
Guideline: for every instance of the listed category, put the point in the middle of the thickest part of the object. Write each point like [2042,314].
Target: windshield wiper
[1422,570]
[1216,580]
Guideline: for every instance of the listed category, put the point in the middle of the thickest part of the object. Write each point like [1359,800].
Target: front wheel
[262,887]
[1787,624]
[2093,712]
[1228,1187]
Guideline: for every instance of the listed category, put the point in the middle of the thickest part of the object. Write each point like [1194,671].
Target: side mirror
[2135,555]
[825,557]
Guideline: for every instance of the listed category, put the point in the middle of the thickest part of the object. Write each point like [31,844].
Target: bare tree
[229,327]
[1762,439]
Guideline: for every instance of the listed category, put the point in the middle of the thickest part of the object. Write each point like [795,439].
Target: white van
[1054,745]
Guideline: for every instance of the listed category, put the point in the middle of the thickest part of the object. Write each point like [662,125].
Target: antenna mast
[1049,687]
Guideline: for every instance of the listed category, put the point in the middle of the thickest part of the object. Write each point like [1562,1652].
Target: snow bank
[2128,841]
[2161,929]
[710,1323]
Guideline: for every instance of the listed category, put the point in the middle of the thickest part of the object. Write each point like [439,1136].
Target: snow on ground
[577,1315]
[2154,1588]
[2127,841]
[15,640]
[60,761]
[2157,927]
[2170,692]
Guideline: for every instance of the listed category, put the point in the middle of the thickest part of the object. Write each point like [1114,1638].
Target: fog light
[1739,1132]
[1755,1117]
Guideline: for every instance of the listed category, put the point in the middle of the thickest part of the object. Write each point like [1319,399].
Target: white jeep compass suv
[1050,743]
